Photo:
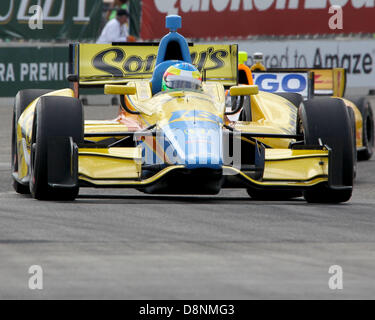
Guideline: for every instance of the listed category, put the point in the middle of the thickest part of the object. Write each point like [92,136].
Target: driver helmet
[182,76]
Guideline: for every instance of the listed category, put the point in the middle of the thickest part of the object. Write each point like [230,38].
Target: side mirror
[244,90]
[119,89]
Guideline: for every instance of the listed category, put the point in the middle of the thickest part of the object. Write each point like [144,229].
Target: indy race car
[313,82]
[173,133]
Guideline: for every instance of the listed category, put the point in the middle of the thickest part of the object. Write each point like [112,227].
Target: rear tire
[54,117]
[368,135]
[22,101]
[295,98]
[328,120]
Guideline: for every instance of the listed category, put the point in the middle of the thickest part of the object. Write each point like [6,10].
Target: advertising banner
[47,67]
[30,68]
[204,19]
[356,56]
[50,19]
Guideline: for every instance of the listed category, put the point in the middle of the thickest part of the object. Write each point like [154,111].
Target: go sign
[282,82]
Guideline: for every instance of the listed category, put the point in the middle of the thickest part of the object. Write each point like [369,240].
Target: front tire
[55,118]
[327,120]
[22,101]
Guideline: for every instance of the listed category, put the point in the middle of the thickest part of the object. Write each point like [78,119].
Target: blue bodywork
[192,138]
[180,45]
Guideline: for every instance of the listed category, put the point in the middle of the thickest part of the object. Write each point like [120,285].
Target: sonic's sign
[99,62]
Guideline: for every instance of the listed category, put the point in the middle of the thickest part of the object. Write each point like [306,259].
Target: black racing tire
[273,195]
[25,97]
[368,135]
[295,98]
[327,120]
[354,135]
[22,101]
[54,117]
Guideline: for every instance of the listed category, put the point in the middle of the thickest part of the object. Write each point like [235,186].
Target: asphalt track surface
[122,244]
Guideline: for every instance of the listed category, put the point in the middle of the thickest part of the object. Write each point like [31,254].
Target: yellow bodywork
[123,166]
[271,114]
[283,168]
[358,122]
[159,108]
[119,163]
[295,165]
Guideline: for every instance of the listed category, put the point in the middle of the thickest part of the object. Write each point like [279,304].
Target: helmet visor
[182,84]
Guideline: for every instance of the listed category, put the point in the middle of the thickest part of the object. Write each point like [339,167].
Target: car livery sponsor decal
[282,82]
[98,62]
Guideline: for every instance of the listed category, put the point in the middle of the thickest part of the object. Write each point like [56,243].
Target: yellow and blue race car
[313,82]
[174,134]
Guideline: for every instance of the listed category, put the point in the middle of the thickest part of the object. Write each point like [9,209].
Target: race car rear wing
[99,64]
[327,82]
